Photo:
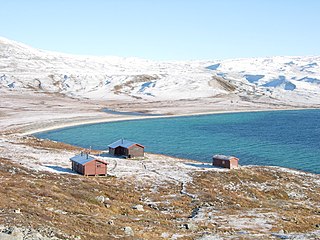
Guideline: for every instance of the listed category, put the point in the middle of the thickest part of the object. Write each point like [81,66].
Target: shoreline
[133,118]
[130,118]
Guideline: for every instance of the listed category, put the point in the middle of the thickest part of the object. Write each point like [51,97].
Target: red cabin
[88,165]
[230,162]
[126,148]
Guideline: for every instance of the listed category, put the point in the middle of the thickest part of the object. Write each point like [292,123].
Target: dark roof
[123,143]
[82,158]
[223,157]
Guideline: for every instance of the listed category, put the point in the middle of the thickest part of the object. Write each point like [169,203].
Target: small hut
[230,162]
[88,165]
[126,148]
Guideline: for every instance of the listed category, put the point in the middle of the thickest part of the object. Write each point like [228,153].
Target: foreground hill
[156,198]
[288,79]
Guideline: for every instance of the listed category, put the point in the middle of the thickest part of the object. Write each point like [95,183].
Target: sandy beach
[29,113]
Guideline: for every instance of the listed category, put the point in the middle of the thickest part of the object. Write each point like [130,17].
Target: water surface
[280,138]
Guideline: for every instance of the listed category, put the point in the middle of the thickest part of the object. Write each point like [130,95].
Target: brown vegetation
[291,200]
[67,205]
[228,86]
[130,83]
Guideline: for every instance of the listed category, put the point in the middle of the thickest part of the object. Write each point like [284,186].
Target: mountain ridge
[289,79]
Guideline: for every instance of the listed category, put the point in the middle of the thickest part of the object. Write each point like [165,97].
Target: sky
[166,29]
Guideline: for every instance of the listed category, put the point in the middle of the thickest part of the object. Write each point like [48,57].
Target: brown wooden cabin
[88,165]
[126,148]
[230,162]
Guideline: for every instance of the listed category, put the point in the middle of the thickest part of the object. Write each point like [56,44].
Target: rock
[153,205]
[17,210]
[191,226]
[105,200]
[165,235]
[100,199]
[206,204]
[128,231]
[11,234]
[22,233]
[138,207]
[37,236]
[4,236]
[110,222]
[57,211]
[60,212]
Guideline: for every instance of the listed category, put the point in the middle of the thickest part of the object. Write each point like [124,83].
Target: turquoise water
[280,138]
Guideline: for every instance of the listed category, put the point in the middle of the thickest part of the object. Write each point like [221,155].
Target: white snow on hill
[22,68]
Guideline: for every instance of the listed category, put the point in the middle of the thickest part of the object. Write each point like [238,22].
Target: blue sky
[166,29]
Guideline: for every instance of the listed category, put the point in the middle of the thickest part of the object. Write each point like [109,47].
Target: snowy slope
[24,68]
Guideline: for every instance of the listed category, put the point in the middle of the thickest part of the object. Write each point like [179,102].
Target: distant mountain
[23,68]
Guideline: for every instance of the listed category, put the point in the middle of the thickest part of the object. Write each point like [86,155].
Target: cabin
[88,165]
[230,162]
[126,148]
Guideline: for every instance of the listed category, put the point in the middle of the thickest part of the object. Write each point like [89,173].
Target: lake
[278,138]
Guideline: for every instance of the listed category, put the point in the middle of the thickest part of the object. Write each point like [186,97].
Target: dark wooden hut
[126,148]
[88,165]
[230,162]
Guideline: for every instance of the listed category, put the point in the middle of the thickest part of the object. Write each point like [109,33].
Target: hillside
[291,80]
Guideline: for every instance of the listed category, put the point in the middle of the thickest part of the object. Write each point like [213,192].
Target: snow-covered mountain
[24,68]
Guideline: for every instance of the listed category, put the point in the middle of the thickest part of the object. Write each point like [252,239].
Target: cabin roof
[123,143]
[82,158]
[224,157]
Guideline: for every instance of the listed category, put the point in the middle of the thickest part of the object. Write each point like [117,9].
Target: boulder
[100,199]
[165,235]
[110,222]
[191,226]
[138,207]
[128,231]
[17,210]
[11,233]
